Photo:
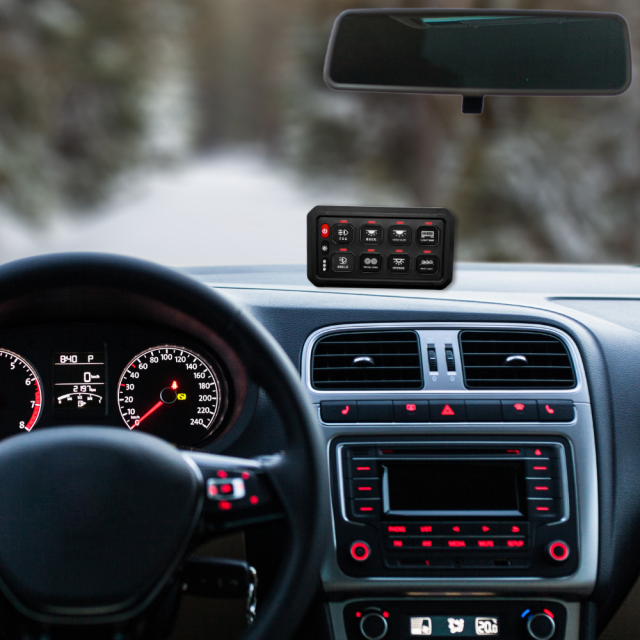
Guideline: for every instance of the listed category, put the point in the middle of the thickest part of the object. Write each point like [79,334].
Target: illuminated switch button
[457,529]
[558,551]
[375,411]
[543,488]
[541,452]
[366,509]
[459,544]
[486,543]
[363,468]
[426,529]
[515,544]
[411,410]
[371,234]
[483,529]
[544,509]
[555,410]
[367,488]
[484,411]
[398,263]
[396,528]
[339,411]
[513,528]
[360,551]
[397,543]
[324,230]
[520,410]
[399,234]
[343,262]
[452,411]
[543,468]
[428,236]
[371,262]
[324,265]
[343,234]
[427,265]
[324,248]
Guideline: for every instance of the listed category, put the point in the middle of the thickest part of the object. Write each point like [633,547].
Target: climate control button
[541,626]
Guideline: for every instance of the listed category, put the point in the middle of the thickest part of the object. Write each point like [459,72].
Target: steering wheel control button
[343,262]
[399,263]
[428,235]
[452,411]
[558,551]
[343,234]
[484,410]
[400,234]
[541,626]
[411,411]
[427,265]
[375,411]
[373,626]
[555,410]
[520,410]
[360,551]
[339,411]
[371,262]
[371,234]
[225,489]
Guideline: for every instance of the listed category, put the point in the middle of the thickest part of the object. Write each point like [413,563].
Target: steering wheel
[96,522]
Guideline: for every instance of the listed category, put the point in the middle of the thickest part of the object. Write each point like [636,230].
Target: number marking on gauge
[168,384]
[21,396]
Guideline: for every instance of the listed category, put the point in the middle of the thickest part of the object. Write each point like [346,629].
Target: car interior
[383,443]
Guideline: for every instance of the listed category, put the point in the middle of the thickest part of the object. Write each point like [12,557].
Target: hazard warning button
[452,411]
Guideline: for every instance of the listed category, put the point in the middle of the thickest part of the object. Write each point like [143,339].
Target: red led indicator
[516,451]
[366,508]
[399,250]
[428,222]
[549,409]
[174,385]
[426,562]
[485,529]
[399,222]
[457,543]
[426,251]
[221,473]
[246,475]
[397,543]
[364,488]
[370,250]
[540,468]
[559,551]
[360,551]
[324,230]
[518,407]
[542,488]
[396,529]
[358,614]
[515,529]
[447,411]
[212,490]
[226,488]
[224,505]
[548,613]
[427,529]
[385,614]
[515,543]
[372,221]
[363,468]
[342,249]
[485,543]
[537,452]
[427,543]
[456,529]
[345,411]
[411,407]
[254,500]
[542,508]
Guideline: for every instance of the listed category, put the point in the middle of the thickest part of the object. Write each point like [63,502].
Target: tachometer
[20,394]
[172,392]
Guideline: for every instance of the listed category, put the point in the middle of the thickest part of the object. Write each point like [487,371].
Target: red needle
[155,407]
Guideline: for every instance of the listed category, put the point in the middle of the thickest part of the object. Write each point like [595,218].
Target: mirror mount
[472,104]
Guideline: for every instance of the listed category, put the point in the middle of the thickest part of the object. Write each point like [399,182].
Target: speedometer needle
[155,407]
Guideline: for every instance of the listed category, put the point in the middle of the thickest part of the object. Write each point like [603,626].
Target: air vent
[367,360]
[515,360]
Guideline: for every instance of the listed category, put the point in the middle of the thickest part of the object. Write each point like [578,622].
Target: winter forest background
[150,126]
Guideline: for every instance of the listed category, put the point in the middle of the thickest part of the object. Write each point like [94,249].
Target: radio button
[375,411]
[543,468]
[360,551]
[541,509]
[543,489]
[362,468]
[366,509]
[541,452]
[513,528]
[457,529]
[411,411]
[365,488]
[520,410]
[459,543]
[514,544]
[483,529]
[427,529]
[487,543]
[452,411]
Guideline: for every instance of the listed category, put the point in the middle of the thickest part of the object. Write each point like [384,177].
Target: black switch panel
[380,247]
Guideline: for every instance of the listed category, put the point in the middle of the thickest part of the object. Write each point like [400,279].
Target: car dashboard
[481,442]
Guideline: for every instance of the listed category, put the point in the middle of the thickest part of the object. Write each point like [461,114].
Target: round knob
[360,551]
[373,626]
[541,626]
[558,551]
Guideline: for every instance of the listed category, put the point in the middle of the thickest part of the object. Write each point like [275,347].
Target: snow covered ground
[236,208]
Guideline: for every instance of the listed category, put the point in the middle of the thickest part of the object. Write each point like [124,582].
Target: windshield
[200,132]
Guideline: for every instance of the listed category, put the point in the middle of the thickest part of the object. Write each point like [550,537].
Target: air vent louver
[515,360]
[367,360]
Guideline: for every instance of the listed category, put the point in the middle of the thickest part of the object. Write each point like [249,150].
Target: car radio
[455,507]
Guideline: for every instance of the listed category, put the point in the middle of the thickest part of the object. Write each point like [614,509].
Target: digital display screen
[453,488]
[79,384]
[455,626]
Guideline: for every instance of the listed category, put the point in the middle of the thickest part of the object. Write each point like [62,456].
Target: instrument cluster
[150,380]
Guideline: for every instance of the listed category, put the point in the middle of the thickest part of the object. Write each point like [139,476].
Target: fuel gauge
[79,384]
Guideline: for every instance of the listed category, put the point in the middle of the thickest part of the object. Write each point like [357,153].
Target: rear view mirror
[479,52]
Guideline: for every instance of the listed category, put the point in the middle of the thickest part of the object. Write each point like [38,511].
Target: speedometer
[171,392]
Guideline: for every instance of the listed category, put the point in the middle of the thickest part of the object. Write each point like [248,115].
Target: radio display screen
[454,488]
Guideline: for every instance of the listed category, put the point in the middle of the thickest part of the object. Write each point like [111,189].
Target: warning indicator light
[447,411]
